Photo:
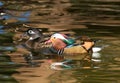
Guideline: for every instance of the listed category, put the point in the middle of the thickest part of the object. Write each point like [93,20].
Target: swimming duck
[35,44]
[62,44]
[59,42]
[67,47]
[34,38]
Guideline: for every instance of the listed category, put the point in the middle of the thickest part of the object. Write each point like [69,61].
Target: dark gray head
[34,33]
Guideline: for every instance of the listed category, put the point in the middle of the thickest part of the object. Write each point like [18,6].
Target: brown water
[99,19]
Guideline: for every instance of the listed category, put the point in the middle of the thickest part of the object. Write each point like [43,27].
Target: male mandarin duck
[62,44]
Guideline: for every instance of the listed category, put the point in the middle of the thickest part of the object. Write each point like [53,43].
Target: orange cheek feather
[58,44]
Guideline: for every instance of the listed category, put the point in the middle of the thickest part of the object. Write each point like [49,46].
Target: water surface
[96,18]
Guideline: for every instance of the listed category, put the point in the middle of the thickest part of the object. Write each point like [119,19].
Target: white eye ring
[31,32]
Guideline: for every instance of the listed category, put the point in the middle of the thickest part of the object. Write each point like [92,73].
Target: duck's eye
[31,32]
[54,37]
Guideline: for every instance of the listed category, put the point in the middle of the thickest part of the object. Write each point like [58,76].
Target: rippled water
[98,19]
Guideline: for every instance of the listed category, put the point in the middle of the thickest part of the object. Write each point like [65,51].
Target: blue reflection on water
[7,48]
[1,26]
[2,31]
[1,4]
[7,17]
[26,14]
[23,17]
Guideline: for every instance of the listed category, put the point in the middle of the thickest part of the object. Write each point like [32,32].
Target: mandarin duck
[34,44]
[62,44]
[59,42]
[34,38]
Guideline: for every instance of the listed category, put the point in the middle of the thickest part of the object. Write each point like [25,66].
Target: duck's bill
[48,41]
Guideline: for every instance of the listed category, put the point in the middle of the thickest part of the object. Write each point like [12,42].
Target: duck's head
[60,41]
[57,40]
[62,37]
[57,36]
[32,34]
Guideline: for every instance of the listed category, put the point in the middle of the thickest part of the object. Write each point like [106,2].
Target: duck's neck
[88,45]
[69,41]
[33,43]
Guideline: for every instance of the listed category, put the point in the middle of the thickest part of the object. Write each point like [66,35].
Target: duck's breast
[58,44]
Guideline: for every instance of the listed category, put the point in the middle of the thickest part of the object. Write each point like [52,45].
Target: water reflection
[7,48]
[102,21]
[7,68]
[1,4]
[2,31]
[10,15]
[22,18]
[105,64]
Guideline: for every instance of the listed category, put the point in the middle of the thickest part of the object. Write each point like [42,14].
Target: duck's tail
[98,49]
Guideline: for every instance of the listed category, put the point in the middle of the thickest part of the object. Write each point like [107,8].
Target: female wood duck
[62,44]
